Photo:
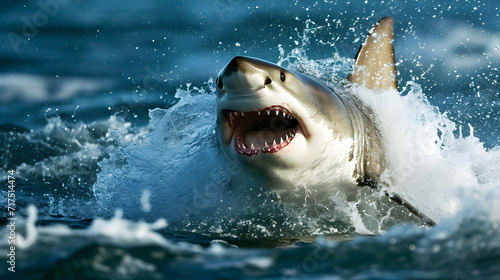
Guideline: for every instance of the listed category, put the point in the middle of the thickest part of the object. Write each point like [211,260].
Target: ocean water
[107,118]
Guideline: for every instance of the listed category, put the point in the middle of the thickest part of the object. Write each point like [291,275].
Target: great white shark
[293,129]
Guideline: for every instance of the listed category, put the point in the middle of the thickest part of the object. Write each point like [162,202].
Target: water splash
[180,164]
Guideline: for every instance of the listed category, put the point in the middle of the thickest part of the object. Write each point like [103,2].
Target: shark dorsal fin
[375,66]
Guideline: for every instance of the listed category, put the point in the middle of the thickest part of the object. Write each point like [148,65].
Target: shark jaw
[267,130]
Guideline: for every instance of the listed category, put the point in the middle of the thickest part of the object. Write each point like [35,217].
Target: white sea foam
[178,162]
[31,233]
[428,165]
[76,144]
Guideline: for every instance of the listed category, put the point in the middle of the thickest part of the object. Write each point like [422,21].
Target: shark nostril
[268,81]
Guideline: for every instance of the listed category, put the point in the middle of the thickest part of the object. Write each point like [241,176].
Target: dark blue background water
[153,47]
[75,72]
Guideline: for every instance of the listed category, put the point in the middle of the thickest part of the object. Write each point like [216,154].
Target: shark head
[280,122]
[292,128]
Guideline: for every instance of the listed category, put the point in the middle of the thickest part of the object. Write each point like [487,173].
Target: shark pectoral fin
[375,66]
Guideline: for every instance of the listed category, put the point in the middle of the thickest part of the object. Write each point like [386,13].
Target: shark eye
[282,76]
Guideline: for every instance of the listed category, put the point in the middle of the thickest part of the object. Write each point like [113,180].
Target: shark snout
[243,73]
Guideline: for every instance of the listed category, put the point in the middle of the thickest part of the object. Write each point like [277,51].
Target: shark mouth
[268,130]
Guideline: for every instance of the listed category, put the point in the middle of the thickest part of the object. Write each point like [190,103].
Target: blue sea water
[107,118]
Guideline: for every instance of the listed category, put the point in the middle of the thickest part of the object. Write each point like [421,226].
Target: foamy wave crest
[428,164]
[178,163]
[60,166]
